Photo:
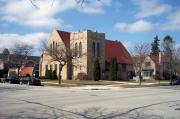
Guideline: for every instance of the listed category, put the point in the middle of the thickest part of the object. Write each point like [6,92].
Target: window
[147,64]
[50,67]
[80,49]
[75,68]
[98,50]
[60,67]
[107,66]
[93,49]
[46,67]
[53,45]
[76,50]
[51,49]
[55,67]
[145,74]
[56,46]
[123,67]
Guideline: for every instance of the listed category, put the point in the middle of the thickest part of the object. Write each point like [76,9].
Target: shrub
[81,76]
[42,77]
[97,70]
[48,74]
[54,74]
[113,70]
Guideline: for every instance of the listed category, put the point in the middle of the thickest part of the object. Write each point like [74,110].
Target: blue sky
[129,21]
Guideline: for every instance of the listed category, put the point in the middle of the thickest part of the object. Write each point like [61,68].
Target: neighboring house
[11,61]
[155,66]
[24,71]
[150,67]
[13,72]
[93,45]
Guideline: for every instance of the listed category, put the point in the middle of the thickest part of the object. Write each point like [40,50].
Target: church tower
[87,46]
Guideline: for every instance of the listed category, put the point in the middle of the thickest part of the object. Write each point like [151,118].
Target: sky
[128,21]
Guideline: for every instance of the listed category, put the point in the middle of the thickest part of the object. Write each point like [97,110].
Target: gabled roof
[65,36]
[137,59]
[155,58]
[114,49]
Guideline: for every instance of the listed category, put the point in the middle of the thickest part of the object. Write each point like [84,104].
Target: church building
[88,46]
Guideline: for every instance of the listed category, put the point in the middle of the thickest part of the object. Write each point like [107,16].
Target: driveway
[21,101]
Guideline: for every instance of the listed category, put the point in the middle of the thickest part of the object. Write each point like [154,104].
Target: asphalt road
[31,102]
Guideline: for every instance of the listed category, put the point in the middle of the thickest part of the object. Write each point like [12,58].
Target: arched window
[53,47]
[56,46]
[93,49]
[76,50]
[98,50]
[80,49]
[50,49]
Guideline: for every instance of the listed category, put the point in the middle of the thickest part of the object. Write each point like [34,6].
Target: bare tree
[169,53]
[177,61]
[20,53]
[51,3]
[140,51]
[64,55]
[33,2]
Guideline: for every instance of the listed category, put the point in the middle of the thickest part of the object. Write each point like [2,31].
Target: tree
[97,70]
[140,51]
[51,3]
[155,46]
[5,54]
[5,51]
[20,53]
[169,53]
[113,69]
[62,54]
[177,60]
[54,74]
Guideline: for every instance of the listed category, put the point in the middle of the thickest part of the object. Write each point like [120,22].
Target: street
[22,101]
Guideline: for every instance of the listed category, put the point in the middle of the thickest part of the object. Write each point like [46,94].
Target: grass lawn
[125,84]
[80,82]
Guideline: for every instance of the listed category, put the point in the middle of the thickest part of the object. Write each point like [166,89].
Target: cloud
[94,7]
[173,21]
[8,40]
[147,8]
[22,12]
[138,26]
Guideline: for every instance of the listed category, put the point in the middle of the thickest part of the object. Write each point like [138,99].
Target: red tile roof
[26,70]
[65,36]
[116,49]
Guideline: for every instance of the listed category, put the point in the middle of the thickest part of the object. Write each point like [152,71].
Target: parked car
[11,79]
[30,81]
[175,81]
